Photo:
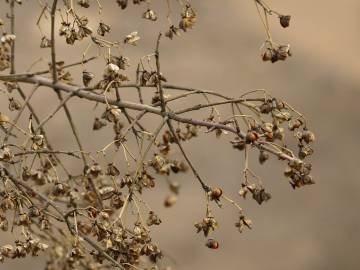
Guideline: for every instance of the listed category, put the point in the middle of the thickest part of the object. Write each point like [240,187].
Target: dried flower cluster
[97,218]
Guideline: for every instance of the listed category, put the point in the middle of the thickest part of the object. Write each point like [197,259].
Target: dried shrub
[78,220]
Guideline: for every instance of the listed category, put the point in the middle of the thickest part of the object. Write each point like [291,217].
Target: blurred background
[316,227]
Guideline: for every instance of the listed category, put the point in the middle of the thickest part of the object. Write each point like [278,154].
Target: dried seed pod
[98,124]
[263,156]
[4,224]
[34,212]
[188,18]
[308,136]
[149,14]
[132,38]
[23,219]
[285,20]
[283,52]
[117,201]
[38,142]
[268,55]
[212,244]
[103,29]
[121,61]
[87,77]
[173,31]
[207,224]
[295,124]
[280,104]
[112,170]
[95,170]
[153,219]
[84,3]
[260,195]
[6,154]
[238,144]
[106,192]
[305,151]
[266,107]
[243,223]
[45,42]
[122,3]
[112,114]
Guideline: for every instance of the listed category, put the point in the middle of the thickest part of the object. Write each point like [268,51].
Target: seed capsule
[216,193]
[251,137]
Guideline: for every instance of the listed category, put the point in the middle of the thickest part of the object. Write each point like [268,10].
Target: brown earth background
[311,228]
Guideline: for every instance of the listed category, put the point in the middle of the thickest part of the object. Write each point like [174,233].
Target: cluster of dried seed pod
[5,47]
[31,246]
[207,225]
[258,192]
[278,53]
[188,20]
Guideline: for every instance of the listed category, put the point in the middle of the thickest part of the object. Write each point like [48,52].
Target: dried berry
[251,137]
[212,244]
